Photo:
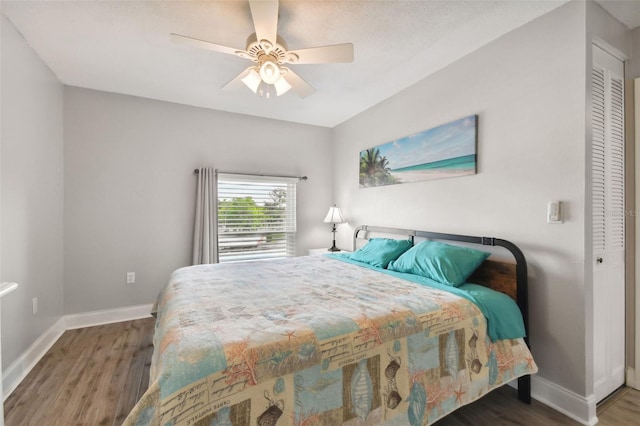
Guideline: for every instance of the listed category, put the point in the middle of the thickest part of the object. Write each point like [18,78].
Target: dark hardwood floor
[94,376]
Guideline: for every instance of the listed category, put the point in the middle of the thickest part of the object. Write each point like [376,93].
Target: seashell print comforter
[317,341]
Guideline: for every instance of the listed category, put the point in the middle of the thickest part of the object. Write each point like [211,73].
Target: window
[256,217]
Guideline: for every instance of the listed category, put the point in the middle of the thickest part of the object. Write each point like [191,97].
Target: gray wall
[32,193]
[632,68]
[632,72]
[130,189]
[528,89]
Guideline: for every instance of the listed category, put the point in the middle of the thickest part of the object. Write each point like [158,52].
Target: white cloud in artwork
[451,140]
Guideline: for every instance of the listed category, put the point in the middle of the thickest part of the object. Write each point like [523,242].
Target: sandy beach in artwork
[445,151]
[416,176]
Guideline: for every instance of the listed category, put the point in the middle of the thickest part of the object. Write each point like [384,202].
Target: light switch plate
[554,212]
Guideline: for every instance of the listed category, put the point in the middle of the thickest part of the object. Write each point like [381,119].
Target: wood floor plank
[142,344]
[102,398]
[38,391]
[95,376]
[70,388]
[144,382]
[623,411]
[86,392]
[55,359]
[502,407]
[75,387]
[69,384]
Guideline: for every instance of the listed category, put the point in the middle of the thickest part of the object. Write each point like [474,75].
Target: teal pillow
[444,263]
[380,251]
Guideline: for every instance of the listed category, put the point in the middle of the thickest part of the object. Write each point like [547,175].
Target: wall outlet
[34,305]
[131,277]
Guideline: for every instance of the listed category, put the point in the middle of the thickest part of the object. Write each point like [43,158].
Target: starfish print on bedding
[289,334]
[459,394]
[529,360]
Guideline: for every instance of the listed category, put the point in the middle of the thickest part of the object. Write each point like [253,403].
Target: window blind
[256,217]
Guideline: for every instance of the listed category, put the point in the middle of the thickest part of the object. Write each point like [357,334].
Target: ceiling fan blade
[298,85]
[237,83]
[194,42]
[324,54]
[265,19]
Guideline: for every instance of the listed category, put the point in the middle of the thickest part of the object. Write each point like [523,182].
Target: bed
[331,340]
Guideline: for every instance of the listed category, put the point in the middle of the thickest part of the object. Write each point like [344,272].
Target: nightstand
[321,251]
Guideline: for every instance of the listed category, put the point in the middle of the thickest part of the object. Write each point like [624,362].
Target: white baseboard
[633,378]
[579,408]
[107,316]
[19,369]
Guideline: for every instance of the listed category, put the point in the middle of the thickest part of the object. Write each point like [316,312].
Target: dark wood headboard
[508,278]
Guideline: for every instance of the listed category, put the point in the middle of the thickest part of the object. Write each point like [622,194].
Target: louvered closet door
[607,189]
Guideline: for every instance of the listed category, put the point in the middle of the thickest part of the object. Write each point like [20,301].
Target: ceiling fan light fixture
[269,72]
[282,86]
[252,80]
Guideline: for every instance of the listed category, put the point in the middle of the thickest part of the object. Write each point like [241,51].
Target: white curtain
[205,245]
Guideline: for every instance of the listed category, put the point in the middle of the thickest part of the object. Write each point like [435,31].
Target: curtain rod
[197,171]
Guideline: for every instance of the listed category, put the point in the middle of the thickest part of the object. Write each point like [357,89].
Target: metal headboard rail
[522,294]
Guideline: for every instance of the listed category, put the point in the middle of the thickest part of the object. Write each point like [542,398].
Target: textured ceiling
[124,47]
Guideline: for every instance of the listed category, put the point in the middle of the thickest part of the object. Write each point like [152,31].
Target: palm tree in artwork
[369,160]
[374,169]
[383,166]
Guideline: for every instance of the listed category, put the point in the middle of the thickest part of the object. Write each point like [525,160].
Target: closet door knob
[599,260]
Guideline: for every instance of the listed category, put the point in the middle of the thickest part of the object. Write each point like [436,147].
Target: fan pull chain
[263,90]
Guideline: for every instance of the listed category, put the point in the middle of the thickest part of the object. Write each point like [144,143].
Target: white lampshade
[252,80]
[334,215]
[282,86]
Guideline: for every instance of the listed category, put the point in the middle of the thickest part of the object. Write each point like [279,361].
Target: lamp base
[333,247]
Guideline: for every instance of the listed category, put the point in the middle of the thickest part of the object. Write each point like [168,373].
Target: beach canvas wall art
[445,151]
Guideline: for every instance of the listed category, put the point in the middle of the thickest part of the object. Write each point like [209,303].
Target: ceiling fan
[269,53]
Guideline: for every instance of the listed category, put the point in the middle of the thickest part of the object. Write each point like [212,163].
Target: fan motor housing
[261,50]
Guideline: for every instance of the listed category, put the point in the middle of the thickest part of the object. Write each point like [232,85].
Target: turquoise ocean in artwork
[465,162]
